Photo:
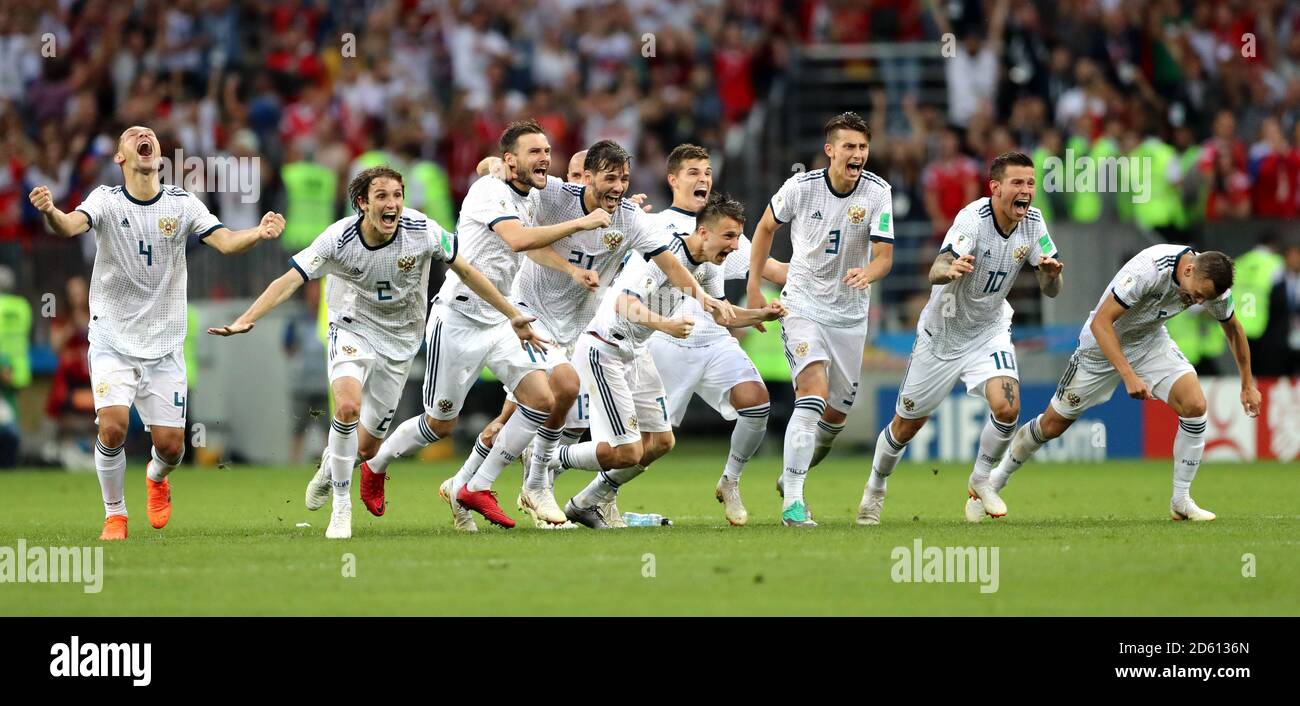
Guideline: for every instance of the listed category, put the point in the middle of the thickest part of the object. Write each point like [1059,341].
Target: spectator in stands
[951,181]
[973,67]
[1274,171]
[1281,339]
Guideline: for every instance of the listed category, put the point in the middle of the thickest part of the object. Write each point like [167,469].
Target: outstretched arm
[276,294]
[230,242]
[481,286]
[1049,275]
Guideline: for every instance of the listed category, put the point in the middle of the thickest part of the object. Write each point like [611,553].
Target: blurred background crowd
[1208,93]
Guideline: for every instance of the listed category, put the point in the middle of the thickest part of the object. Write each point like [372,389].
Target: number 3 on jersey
[833,248]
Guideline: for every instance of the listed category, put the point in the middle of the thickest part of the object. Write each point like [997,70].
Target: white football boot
[1187,509]
[340,522]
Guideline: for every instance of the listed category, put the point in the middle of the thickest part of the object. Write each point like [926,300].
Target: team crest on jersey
[1020,253]
[857,214]
[444,406]
[168,225]
[349,350]
[611,239]
[405,264]
[909,404]
[1073,399]
[101,389]
[801,349]
[632,423]
[315,262]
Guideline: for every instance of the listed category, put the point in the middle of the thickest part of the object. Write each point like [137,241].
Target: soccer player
[629,414]
[843,235]
[378,262]
[710,362]
[137,308]
[555,284]
[1125,341]
[964,331]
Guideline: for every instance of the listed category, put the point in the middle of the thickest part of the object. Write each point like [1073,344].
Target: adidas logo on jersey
[125,223]
[816,216]
[988,253]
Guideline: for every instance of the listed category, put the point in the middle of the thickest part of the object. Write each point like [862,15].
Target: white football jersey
[646,281]
[490,201]
[1148,288]
[137,289]
[676,221]
[964,314]
[565,306]
[831,234]
[378,293]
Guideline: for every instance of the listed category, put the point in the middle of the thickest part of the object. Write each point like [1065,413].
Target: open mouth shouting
[854,169]
[701,194]
[1020,205]
[144,149]
[389,219]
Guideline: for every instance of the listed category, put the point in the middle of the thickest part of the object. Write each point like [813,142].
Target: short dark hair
[1216,267]
[847,121]
[359,187]
[510,136]
[683,152]
[720,205]
[1008,159]
[605,156]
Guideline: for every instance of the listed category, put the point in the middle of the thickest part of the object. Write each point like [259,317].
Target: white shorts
[1090,380]
[458,348]
[626,395]
[928,379]
[807,342]
[382,378]
[554,356]
[155,386]
[708,371]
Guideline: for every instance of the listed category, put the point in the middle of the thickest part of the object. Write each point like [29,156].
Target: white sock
[537,476]
[110,466]
[1027,440]
[800,436]
[1189,444]
[751,427]
[994,439]
[471,464]
[570,437]
[510,442]
[582,456]
[888,451]
[343,453]
[826,433]
[406,440]
[158,468]
[605,485]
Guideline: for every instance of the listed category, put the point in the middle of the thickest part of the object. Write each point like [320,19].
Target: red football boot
[372,490]
[484,502]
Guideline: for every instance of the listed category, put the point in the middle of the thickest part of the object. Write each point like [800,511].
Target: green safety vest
[766,349]
[1251,288]
[191,352]
[1191,212]
[15,332]
[1085,206]
[309,192]
[1198,336]
[433,191]
[1163,201]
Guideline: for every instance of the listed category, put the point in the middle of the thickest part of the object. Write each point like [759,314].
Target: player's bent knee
[834,416]
[627,454]
[1005,411]
[1053,425]
[904,429]
[170,451]
[347,411]
[1195,407]
[749,394]
[441,427]
[112,435]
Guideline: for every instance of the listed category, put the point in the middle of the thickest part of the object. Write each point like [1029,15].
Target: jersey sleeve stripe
[211,230]
[638,296]
[948,248]
[774,216]
[882,238]
[656,251]
[1230,315]
[302,272]
[1121,301]
[495,221]
[89,220]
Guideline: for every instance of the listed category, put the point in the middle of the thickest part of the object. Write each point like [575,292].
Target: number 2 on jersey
[384,286]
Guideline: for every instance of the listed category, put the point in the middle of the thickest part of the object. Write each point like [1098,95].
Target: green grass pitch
[1081,539]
